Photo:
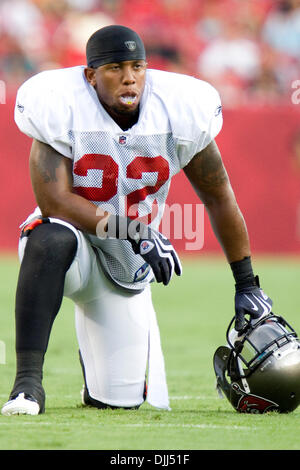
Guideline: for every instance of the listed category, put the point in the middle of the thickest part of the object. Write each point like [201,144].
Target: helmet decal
[249,403]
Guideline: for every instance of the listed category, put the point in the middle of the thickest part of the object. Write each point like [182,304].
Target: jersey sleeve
[214,118]
[201,121]
[42,113]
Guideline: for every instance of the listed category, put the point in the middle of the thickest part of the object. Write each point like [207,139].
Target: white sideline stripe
[136,425]
[201,426]
[199,397]
[183,397]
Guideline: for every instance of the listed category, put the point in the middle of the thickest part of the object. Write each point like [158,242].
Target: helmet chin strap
[243,379]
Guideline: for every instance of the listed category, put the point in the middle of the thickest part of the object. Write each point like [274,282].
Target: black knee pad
[51,243]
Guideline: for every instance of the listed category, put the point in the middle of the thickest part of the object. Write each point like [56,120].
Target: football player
[107,139]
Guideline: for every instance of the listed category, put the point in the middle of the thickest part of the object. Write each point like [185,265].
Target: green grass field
[193,313]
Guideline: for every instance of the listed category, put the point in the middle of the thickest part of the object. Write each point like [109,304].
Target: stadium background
[249,50]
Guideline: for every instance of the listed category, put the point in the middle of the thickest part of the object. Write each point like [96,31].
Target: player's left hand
[251,301]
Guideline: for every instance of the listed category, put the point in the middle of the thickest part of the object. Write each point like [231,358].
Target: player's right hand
[159,253]
[151,245]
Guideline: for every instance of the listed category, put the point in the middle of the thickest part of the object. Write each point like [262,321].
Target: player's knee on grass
[98,404]
[89,401]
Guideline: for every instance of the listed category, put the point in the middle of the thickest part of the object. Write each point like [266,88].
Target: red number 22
[109,188]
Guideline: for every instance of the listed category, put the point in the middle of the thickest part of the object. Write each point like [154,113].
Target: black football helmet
[259,369]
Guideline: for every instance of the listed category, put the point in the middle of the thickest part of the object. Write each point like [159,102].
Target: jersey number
[110,173]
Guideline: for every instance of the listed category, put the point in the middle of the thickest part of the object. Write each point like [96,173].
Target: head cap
[114,43]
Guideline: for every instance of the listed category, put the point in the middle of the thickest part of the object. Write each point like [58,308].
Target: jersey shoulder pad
[194,109]
[44,106]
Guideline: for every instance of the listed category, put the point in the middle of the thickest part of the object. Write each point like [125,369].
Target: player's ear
[90,75]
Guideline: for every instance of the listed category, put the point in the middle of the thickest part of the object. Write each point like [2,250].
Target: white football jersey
[125,172]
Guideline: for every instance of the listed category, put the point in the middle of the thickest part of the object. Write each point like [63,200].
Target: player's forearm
[76,210]
[209,178]
[229,227]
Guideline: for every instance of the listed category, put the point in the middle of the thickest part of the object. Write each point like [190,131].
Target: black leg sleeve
[49,252]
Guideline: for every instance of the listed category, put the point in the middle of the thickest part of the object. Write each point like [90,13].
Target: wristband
[243,273]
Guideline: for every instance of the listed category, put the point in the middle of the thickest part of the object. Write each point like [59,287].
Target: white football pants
[114,330]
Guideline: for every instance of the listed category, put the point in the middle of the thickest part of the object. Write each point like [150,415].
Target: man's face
[119,85]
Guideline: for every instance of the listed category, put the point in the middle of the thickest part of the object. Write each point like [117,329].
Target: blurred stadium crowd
[248,49]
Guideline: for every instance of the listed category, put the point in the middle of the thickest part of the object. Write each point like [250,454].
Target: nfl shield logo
[122,139]
[145,245]
[131,45]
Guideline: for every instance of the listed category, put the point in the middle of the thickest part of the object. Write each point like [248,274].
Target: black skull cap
[114,43]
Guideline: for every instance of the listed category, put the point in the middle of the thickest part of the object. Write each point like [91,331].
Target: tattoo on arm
[206,170]
[47,164]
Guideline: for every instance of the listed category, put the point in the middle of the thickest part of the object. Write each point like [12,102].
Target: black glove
[249,297]
[151,245]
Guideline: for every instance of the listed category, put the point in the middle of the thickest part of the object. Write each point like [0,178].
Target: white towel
[157,391]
